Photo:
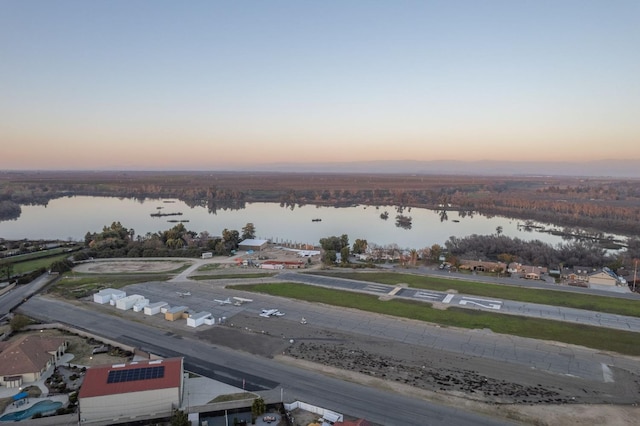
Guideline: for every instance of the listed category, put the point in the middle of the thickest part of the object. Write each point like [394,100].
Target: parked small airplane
[240,300]
[226,301]
[271,313]
[183,293]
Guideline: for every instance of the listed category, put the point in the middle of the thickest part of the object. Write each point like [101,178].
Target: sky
[201,85]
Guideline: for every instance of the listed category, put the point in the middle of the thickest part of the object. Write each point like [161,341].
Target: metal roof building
[252,244]
[125,392]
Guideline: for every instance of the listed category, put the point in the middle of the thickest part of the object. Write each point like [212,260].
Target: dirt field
[129,266]
[497,389]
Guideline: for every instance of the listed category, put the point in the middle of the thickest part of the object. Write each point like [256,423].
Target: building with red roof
[136,390]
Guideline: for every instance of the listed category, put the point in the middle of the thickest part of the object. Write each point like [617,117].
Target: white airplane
[303,320]
[183,293]
[226,301]
[240,300]
[266,313]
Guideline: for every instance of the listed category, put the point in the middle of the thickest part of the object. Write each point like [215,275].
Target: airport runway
[552,357]
[556,313]
[233,366]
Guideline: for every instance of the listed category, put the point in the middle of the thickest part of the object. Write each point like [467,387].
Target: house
[604,277]
[527,271]
[25,359]
[482,266]
[577,273]
[120,393]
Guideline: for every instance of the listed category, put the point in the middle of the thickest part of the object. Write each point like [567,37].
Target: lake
[71,218]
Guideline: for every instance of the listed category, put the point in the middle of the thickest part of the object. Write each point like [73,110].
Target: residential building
[28,357]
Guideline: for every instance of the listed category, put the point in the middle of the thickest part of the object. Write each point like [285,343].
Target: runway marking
[395,291]
[607,374]
[487,304]
[377,288]
[423,295]
[448,298]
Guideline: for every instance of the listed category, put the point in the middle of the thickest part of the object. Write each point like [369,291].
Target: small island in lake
[165,214]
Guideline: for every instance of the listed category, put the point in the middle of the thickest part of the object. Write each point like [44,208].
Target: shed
[154,308]
[197,319]
[127,303]
[140,304]
[271,265]
[175,313]
[108,294]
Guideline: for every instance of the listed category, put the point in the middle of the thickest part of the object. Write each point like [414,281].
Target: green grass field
[75,286]
[623,342]
[551,297]
[39,262]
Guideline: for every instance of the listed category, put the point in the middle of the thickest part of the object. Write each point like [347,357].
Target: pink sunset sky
[168,85]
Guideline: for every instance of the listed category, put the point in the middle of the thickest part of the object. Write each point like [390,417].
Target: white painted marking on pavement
[607,374]
[495,306]
[449,298]
[424,295]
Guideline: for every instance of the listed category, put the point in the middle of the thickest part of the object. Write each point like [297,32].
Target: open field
[41,262]
[75,286]
[550,297]
[592,337]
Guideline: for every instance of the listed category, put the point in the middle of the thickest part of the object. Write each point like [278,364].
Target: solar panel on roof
[133,374]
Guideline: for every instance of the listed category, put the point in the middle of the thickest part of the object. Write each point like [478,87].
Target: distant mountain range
[599,168]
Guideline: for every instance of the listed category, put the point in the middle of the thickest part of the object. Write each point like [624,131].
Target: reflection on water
[71,218]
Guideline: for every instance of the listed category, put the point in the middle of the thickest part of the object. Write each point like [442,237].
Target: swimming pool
[40,407]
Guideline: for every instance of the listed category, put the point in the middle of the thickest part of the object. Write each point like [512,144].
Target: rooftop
[132,377]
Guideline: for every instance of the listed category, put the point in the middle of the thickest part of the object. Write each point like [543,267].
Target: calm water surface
[72,217]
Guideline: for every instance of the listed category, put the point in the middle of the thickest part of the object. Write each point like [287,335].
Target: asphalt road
[361,401]
[556,313]
[20,293]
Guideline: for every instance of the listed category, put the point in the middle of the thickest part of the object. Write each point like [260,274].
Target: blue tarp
[20,395]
